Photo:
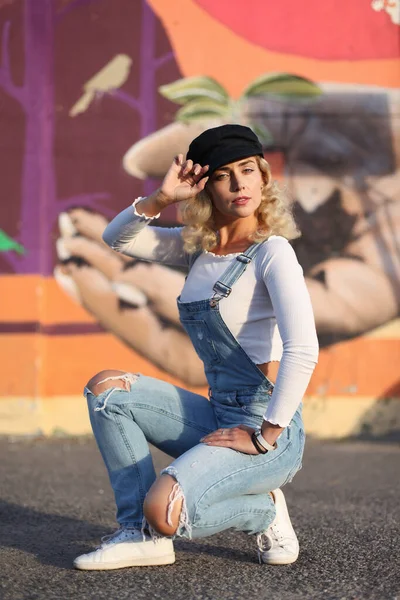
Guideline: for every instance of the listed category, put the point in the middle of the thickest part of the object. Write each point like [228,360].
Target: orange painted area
[27,298]
[40,365]
[44,365]
[59,308]
[19,361]
[37,364]
[72,360]
[200,43]
[19,297]
[360,367]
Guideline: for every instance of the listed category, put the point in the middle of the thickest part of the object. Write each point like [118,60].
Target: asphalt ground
[56,503]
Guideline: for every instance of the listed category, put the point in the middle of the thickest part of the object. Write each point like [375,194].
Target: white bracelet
[264,442]
[142,215]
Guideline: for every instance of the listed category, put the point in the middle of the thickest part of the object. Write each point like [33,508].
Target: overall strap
[223,287]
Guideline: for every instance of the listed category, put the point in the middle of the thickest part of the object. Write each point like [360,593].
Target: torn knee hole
[161,512]
[175,496]
[126,380]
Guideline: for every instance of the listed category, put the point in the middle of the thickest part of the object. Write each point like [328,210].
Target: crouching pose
[247,311]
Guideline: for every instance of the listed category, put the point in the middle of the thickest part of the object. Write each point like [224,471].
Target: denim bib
[229,370]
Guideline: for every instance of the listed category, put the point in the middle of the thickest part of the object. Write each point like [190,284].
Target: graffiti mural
[99,95]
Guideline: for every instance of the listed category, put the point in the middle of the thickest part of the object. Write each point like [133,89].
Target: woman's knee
[110,378]
[162,508]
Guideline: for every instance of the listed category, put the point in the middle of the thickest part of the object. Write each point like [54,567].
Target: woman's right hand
[183,181]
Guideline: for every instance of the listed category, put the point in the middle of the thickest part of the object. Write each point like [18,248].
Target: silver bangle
[264,442]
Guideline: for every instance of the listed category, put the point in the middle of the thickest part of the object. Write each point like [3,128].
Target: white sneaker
[126,548]
[278,545]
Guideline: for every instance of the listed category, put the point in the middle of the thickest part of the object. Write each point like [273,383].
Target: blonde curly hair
[274,214]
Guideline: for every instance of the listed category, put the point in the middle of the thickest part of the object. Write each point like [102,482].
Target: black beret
[222,145]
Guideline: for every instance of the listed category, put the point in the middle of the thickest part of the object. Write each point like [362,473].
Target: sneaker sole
[168,559]
[280,561]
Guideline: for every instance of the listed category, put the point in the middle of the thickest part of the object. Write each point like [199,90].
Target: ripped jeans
[221,488]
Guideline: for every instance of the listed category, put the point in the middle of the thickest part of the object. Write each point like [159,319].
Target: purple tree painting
[40,205]
[145,103]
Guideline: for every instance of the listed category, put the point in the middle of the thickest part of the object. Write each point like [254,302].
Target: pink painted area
[323,29]
[39,207]
[145,103]
[40,202]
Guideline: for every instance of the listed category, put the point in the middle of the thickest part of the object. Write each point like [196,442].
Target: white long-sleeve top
[269,311]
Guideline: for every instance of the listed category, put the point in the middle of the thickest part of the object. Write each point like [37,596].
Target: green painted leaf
[190,88]
[283,84]
[200,109]
[7,243]
[264,135]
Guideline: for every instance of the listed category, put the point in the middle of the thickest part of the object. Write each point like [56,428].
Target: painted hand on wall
[342,168]
[133,299]
[343,171]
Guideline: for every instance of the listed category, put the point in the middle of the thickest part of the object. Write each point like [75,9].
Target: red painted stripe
[58,329]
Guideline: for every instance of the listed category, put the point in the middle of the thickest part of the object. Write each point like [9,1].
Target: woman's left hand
[238,438]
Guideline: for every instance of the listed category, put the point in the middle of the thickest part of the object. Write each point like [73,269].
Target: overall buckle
[222,289]
[244,259]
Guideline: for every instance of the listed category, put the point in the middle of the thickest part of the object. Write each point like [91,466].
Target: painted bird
[111,77]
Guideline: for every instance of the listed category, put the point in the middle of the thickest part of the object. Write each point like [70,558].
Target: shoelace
[108,538]
[277,535]
[264,543]
[266,540]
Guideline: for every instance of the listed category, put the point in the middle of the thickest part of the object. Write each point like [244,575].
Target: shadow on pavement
[224,552]
[52,538]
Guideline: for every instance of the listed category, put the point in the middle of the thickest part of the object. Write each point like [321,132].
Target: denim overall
[238,389]
[221,488]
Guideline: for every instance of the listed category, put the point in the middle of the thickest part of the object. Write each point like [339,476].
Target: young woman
[247,311]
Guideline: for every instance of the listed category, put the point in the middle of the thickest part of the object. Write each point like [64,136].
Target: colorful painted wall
[97,96]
